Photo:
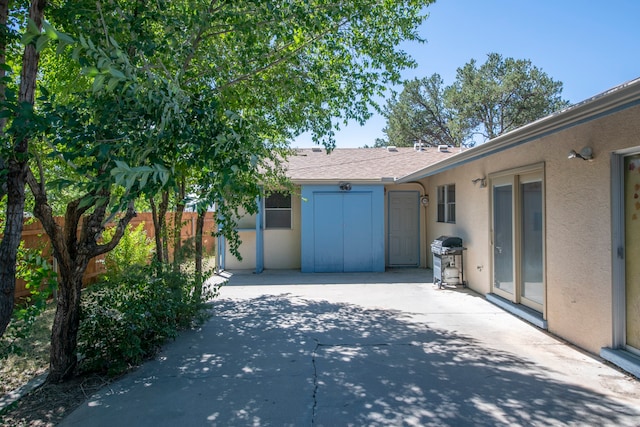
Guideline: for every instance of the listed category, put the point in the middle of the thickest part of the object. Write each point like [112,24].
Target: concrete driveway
[380,349]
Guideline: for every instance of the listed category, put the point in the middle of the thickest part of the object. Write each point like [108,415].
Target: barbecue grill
[448,260]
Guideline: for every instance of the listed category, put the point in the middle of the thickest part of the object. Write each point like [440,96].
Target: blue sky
[588,45]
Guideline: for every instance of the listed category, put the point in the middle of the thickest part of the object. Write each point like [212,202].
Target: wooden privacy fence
[34,236]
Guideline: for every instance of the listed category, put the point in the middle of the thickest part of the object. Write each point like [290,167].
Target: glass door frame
[514,178]
[501,181]
[618,249]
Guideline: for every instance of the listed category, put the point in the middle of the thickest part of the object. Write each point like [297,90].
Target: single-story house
[347,213]
[549,215]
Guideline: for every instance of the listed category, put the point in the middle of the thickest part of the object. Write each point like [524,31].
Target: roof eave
[613,100]
[335,181]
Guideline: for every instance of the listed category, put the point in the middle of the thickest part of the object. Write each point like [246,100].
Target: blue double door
[344,231]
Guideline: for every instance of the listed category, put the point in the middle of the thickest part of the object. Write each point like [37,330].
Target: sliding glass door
[503,271]
[518,237]
[531,241]
[632,250]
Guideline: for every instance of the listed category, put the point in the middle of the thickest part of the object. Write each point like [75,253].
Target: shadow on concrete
[295,277]
[285,360]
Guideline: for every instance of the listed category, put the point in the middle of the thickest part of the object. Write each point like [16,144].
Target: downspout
[221,247]
[260,237]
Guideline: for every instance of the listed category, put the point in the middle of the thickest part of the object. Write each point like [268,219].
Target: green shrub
[41,281]
[125,321]
[134,249]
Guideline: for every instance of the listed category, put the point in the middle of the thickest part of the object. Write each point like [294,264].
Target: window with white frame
[277,210]
[447,203]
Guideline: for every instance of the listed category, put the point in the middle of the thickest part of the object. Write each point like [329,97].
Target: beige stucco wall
[578,221]
[247,250]
[471,221]
[282,247]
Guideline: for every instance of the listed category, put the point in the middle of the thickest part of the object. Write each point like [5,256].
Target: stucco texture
[282,246]
[577,200]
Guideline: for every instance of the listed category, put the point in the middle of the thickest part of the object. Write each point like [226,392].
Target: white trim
[622,359]
[334,181]
[519,310]
[618,245]
[536,167]
[617,253]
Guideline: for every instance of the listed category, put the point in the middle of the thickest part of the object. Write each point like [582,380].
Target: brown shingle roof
[361,164]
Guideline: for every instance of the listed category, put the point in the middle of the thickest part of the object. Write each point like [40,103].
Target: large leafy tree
[487,100]
[503,94]
[420,114]
[200,93]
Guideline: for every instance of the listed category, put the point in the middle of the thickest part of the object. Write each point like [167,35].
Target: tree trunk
[66,323]
[156,228]
[16,168]
[159,214]
[4,17]
[73,251]
[199,242]
[177,226]
[199,249]
[10,241]
[162,216]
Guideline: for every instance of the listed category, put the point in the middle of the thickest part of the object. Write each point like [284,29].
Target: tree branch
[282,58]
[43,211]
[120,229]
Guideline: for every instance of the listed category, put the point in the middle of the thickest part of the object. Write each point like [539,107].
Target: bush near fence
[34,236]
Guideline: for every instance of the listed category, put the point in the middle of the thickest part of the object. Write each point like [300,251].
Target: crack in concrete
[314,354]
[315,381]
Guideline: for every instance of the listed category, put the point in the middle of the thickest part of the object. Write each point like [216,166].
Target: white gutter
[616,99]
[334,181]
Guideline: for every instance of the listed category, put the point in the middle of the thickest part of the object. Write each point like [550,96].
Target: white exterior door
[404,228]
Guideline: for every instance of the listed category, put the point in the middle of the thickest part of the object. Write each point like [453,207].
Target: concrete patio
[375,349]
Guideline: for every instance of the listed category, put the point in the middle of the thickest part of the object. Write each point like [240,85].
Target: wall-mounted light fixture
[345,186]
[585,154]
[482,180]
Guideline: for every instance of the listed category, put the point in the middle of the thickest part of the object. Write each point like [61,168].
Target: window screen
[277,210]
[447,203]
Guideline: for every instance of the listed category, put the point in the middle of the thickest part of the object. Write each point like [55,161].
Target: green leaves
[209,93]
[490,99]
[421,113]
[107,65]
[41,39]
[137,178]
[503,94]
[141,310]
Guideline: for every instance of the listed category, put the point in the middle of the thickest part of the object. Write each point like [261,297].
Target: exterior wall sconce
[481,180]
[345,186]
[585,154]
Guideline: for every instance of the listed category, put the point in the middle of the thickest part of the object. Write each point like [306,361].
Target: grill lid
[447,242]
